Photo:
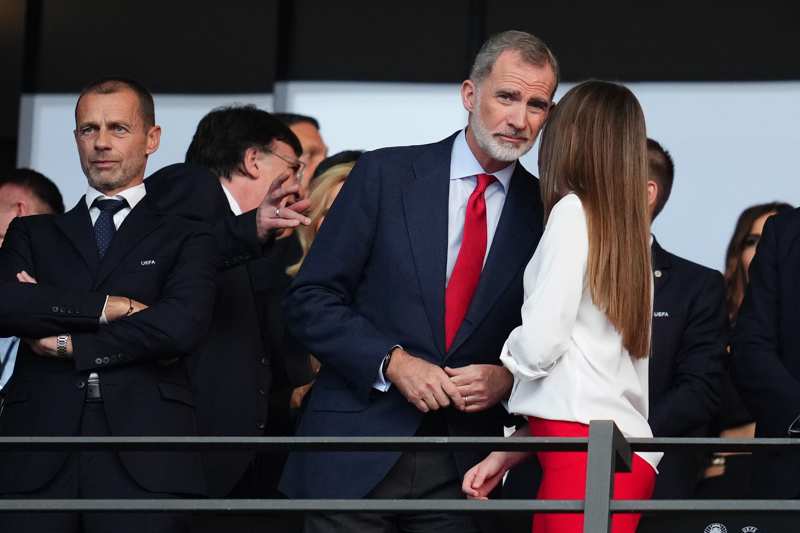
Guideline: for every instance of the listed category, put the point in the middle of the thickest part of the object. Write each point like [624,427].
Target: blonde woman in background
[323,192]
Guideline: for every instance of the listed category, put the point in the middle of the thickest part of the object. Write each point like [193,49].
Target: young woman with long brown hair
[581,351]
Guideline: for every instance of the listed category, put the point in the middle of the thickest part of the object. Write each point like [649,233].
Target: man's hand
[481,386]
[422,383]
[278,210]
[121,306]
[46,347]
[24,277]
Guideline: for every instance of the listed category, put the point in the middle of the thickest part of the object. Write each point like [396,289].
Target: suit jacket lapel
[137,225]
[76,224]
[516,237]
[425,202]
[661,265]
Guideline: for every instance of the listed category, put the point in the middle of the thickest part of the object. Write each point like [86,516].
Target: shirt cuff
[381,383]
[103,317]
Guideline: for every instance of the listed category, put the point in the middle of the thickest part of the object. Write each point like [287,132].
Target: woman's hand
[481,479]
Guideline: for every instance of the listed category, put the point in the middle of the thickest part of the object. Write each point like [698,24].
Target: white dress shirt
[567,359]
[133,196]
[8,358]
[231,200]
[464,170]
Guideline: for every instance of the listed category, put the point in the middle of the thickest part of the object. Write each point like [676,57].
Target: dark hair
[346,156]
[662,171]
[735,274]
[290,119]
[111,85]
[38,184]
[226,133]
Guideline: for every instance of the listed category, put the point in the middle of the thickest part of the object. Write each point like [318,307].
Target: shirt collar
[463,163]
[231,200]
[133,195]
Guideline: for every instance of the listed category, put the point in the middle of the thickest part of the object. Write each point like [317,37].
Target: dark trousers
[258,482]
[92,475]
[416,475]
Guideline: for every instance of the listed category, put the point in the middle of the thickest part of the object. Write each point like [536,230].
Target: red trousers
[564,478]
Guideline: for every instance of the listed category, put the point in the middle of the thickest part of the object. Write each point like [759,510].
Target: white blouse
[567,359]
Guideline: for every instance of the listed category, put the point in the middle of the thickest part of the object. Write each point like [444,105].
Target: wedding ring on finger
[277,212]
[466,401]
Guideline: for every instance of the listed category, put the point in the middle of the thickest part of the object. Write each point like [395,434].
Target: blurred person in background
[728,475]
[324,189]
[23,192]
[314,148]
[690,336]
[345,156]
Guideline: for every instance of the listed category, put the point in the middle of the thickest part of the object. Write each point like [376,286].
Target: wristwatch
[387,359]
[61,345]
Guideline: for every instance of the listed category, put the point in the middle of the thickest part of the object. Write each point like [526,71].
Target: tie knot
[109,204]
[484,180]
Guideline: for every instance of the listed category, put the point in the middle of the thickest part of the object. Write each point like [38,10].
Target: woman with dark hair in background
[728,475]
[581,351]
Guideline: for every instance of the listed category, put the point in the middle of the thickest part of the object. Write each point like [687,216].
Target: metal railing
[608,451]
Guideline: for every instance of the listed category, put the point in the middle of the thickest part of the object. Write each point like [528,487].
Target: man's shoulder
[691,273]
[406,155]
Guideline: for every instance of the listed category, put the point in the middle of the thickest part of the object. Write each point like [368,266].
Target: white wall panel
[734,144]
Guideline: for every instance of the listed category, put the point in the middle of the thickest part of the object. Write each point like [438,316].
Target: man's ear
[153,139]
[469,92]
[652,194]
[250,163]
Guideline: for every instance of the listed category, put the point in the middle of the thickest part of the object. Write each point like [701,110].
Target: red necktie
[467,270]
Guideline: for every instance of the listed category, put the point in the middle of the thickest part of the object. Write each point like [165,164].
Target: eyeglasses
[295,165]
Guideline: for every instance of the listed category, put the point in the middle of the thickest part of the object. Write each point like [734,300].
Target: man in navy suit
[690,331]
[690,336]
[410,290]
[110,298]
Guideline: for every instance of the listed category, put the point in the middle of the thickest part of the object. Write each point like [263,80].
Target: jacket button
[98,361]
[80,384]
[263,360]
[657,273]
[261,425]
[54,309]
[106,360]
[262,392]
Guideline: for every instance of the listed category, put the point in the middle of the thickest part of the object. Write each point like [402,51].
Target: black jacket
[247,350]
[766,352]
[168,264]
[687,364]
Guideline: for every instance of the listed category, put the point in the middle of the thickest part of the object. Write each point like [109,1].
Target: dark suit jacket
[232,371]
[375,277]
[688,362]
[168,264]
[766,352]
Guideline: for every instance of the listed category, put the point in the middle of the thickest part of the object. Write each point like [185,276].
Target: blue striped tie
[104,227]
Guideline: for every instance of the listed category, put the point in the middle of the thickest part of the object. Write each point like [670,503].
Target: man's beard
[495,147]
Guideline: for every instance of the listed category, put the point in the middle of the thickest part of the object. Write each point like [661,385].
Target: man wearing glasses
[239,158]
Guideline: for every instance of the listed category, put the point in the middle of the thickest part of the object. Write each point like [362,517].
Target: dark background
[244,46]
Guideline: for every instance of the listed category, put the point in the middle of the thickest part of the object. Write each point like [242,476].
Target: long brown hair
[595,145]
[735,273]
[319,194]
